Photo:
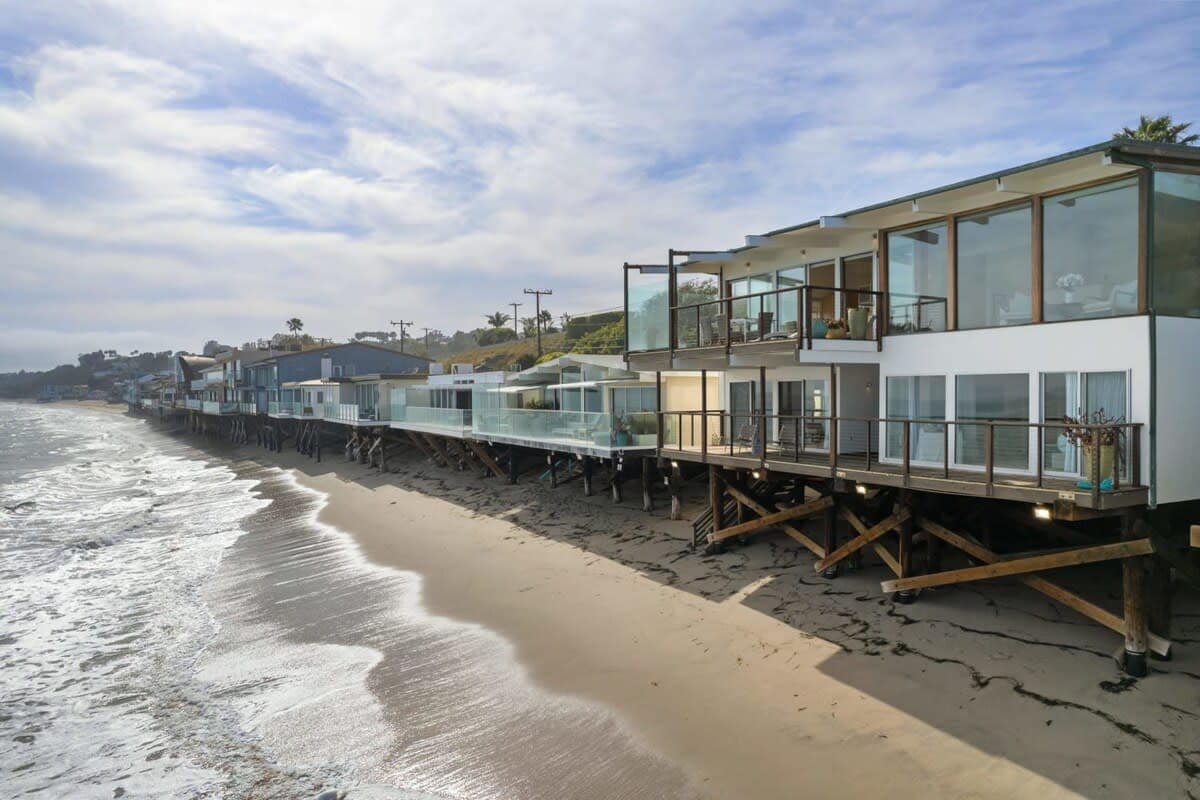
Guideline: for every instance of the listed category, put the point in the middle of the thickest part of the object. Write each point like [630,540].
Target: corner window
[917,279]
[1176,261]
[1090,252]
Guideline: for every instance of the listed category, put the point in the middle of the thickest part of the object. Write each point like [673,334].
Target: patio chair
[748,436]
[766,322]
[787,436]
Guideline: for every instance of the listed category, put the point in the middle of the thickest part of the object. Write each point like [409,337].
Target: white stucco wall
[1102,345]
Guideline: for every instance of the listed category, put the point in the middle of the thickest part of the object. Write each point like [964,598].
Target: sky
[173,172]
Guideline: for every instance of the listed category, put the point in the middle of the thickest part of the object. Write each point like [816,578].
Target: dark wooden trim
[1143,264]
[952,273]
[1036,255]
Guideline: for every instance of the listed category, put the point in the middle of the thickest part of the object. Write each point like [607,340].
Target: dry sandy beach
[756,677]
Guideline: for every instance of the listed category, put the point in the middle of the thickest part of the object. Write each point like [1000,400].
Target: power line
[403,325]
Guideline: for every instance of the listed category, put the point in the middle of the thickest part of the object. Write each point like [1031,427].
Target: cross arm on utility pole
[403,325]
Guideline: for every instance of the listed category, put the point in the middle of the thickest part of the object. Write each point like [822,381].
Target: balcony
[248,408]
[218,407]
[567,429]
[276,409]
[432,420]
[197,385]
[795,316]
[193,405]
[1009,460]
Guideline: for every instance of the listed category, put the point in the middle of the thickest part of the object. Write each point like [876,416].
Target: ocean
[174,623]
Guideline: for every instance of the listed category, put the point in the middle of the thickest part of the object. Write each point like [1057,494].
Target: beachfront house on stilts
[1003,365]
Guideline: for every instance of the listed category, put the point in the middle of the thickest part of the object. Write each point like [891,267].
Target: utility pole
[402,324]
[537,318]
[514,308]
[427,332]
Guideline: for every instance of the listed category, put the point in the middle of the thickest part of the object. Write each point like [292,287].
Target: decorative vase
[1105,473]
[819,329]
[835,333]
[1069,296]
[858,318]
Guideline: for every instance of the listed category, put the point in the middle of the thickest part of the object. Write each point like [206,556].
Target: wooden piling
[588,467]
[647,484]
[675,486]
[1133,571]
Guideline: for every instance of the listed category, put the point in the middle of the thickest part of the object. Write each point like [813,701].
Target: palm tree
[498,319]
[529,325]
[295,325]
[1159,129]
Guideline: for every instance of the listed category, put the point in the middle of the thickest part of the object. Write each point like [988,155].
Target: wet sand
[758,679]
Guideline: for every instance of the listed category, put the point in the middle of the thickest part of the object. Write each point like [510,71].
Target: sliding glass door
[1089,395]
[801,405]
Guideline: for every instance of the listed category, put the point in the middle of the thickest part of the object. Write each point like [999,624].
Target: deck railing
[996,450]
[798,314]
[638,429]
[459,418]
[193,405]
[913,313]
[248,408]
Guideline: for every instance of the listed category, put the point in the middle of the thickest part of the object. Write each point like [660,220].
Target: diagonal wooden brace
[863,539]
[773,520]
[487,459]
[972,548]
[1018,566]
[762,510]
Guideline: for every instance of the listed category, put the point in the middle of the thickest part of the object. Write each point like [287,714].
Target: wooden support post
[1133,572]
[588,467]
[616,474]
[514,464]
[553,471]
[904,558]
[675,486]
[831,536]
[715,500]
[647,484]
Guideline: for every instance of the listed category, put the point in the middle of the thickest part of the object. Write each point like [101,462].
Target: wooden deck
[959,481]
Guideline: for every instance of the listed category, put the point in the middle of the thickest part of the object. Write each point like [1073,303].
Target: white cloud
[194,170]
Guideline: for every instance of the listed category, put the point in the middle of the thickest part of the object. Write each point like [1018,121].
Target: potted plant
[620,431]
[835,329]
[858,319]
[1069,283]
[1097,436]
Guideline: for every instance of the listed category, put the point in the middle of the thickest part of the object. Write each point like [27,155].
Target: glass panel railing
[638,429]
[248,408]
[193,405]
[646,298]
[438,417]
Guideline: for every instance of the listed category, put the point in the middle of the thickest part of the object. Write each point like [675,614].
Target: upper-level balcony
[218,407]
[801,317]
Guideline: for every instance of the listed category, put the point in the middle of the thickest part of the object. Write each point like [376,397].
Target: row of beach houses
[1002,371]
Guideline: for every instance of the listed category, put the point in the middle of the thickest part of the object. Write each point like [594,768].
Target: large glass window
[917,398]
[1176,260]
[858,280]
[1090,252]
[1074,394]
[788,319]
[824,304]
[995,281]
[917,279]
[998,398]
[801,405]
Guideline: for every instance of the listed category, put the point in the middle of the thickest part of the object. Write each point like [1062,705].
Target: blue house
[336,361]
